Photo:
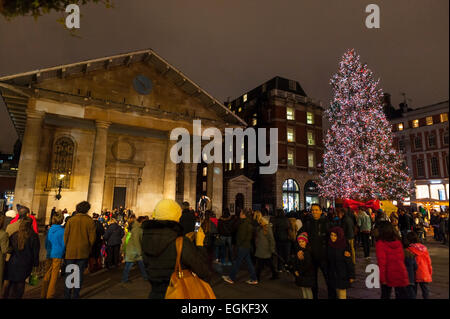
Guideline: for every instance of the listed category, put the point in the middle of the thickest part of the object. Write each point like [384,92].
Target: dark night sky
[231,46]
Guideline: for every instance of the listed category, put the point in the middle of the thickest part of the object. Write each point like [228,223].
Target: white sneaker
[228,279]
[252,282]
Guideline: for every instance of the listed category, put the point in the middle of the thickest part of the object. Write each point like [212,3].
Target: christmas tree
[360,162]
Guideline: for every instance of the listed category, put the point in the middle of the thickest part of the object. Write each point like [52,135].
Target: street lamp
[58,196]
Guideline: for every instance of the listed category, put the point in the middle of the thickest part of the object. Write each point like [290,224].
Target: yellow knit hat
[167,209]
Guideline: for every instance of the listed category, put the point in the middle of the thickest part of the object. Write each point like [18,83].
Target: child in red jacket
[424,270]
[391,261]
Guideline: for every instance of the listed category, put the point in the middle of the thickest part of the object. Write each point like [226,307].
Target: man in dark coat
[281,234]
[348,225]
[317,227]
[404,223]
[187,219]
[113,238]
[159,251]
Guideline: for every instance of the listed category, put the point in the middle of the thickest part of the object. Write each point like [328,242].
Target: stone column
[170,174]
[187,182]
[29,158]
[193,186]
[209,180]
[217,188]
[97,179]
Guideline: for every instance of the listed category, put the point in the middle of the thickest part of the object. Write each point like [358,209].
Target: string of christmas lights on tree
[360,162]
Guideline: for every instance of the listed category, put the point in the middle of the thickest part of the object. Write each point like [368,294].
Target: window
[311,162]
[418,142]
[292,85]
[1,161]
[420,168]
[311,140]
[444,117]
[400,126]
[205,171]
[62,161]
[244,98]
[432,140]
[242,161]
[422,191]
[291,195]
[290,160]
[429,120]
[290,113]
[240,109]
[204,186]
[290,135]
[10,157]
[434,166]
[254,122]
[401,145]
[446,137]
[230,165]
[309,118]
[415,123]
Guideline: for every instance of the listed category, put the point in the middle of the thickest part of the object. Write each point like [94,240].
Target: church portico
[101,133]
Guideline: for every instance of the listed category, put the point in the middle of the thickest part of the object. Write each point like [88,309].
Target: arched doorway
[311,194]
[239,203]
[291,195]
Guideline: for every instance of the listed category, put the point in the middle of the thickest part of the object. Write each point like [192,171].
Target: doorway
[120,194]
[239,203]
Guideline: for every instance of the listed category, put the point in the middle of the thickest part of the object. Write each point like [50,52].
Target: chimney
[403,107]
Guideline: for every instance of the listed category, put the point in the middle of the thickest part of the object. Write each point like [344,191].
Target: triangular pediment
[241,179]
[109,83]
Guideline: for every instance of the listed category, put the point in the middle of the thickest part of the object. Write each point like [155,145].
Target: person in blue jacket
[54,244]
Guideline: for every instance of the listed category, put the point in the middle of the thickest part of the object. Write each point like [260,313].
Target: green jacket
[244,234]
[133,250]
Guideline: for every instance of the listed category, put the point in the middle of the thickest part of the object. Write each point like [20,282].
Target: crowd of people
[296,243]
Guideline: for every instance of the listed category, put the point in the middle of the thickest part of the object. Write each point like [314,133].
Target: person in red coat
[391,262]
[424,270]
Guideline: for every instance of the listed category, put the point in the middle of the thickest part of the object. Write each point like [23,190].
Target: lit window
[290,114]
[400,126]
[244,98]
[309,118]
[444,117]
[311,159]
[415,123]
[290,135]
[240,109]
[311,140]
[290,157]
[205,171]
[230,165]
[422,191]
[254,122]
[242,161]
[10,157]
[1,161]
[429,120]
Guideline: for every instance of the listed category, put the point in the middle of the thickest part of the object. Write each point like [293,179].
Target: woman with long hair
[391,262]
[24,245]
[265,246]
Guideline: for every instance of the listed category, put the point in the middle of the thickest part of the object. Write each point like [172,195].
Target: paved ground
[106,285]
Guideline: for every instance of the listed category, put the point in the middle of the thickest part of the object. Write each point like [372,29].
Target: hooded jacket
[159,251]
[424,270]
[133,249]
[340,268]
[391,262]
[113,235]
[54,243]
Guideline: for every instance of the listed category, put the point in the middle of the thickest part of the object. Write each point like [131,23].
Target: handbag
[184,284]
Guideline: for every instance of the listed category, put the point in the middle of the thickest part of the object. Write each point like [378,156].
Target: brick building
[283,104]
[422,136]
